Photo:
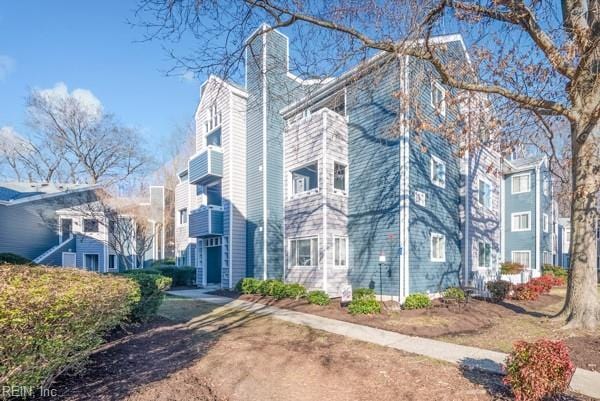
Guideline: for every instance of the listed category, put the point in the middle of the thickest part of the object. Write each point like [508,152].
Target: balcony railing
[206,221]
[206,167]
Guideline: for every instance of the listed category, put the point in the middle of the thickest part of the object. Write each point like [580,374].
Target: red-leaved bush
[526,292]
[539,369]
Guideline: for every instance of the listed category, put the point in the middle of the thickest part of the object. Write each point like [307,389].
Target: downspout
[325,187]
[538,215]
[264,140]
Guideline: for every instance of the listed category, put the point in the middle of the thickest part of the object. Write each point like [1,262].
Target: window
[546,186]
[214,118]
[304,252]
[214,138]
[547,258]
[305,179]
[339,251]
[484,195]
[213,195]
[112,263]
[90,225]
[438,247]
[521,257]
[339,177]
[520,183]
[566,240]
[91,262]
[546,223]
[438,98]
[438,172]
[485,254]
[183,216]
[520,221]
[420,198]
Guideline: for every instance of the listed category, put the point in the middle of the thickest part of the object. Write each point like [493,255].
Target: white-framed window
[520,183]
[546,222]
[566,240]
[214,138]
[438,247]
[484,254]
[546,186]
[484,193]
[340,177]
[420,198]
[521,221]
[340,251]
[305,179]
[438,97]
[304,252]
[214,118]
[522,257]
[547,258]
[91,226]
[438,172]
[183,216]
[212,241]
[113,263]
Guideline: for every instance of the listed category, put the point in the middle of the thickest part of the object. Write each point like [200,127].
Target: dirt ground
[479,323]
[206,353]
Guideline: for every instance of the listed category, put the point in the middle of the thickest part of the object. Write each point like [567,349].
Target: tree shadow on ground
[150,353]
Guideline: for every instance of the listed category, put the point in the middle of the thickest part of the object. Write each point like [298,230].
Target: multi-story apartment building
[330,182]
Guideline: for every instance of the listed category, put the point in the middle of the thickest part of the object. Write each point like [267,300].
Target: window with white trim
[547,258]
[214,118]
[438,172]
[304,252]
[339,251]
[546,186]
[522,257]
[484,194]
[485,254]
[546,222]
[520,183]
[339,177]
[305,179]
[214,138]
[183,216]
[438,247]
[521,221]
[438,97]
[90,225]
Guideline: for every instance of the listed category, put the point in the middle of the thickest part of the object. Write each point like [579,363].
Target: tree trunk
[581,308]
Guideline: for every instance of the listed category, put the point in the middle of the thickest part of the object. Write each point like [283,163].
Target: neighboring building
[325,183]
[157,217]
[564,242]
[29,222]
[527,213]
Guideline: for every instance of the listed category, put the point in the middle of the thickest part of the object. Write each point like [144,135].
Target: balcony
[206,167]
[206,221]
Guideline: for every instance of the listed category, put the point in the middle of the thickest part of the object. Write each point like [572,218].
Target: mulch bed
[440,320]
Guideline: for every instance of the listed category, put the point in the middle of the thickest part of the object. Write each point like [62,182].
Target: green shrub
[318,297]
[181,276]
[295,290]
[361,293]
[163,262]
[454,293]
[537,370]
[499,289]
[417,301]
[365,306]
[556,271]
[14,259]
[278,289]
[248,285]
[152,289]
[51,319]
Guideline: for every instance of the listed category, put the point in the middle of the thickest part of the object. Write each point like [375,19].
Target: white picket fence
[481,277]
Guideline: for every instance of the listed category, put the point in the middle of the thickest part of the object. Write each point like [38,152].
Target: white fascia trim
[502,219]
[230,184]
[324,201]
[51,195]
[467,250]
[404,272]
[264,149]
[538,208]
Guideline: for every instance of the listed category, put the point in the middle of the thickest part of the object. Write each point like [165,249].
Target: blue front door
[213,264]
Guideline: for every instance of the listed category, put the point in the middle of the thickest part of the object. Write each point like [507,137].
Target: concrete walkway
[584,381]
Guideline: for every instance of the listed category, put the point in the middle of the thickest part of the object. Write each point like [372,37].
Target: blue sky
[89,45]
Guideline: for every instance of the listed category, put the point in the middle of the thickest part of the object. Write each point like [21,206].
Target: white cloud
[188,76]
[84,97]
[7,65]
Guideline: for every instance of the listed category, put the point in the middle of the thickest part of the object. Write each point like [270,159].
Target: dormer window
[438,98]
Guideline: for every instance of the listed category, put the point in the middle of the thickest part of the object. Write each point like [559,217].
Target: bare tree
[76,140]
[538,68]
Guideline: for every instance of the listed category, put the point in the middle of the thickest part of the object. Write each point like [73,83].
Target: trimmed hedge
[52,319]
[364,302]
[455,294]
[14,259]
[499,290]
[152,289]
[181,276]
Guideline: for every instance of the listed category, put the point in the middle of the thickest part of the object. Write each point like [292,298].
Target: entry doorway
[66,229]
[213,260]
